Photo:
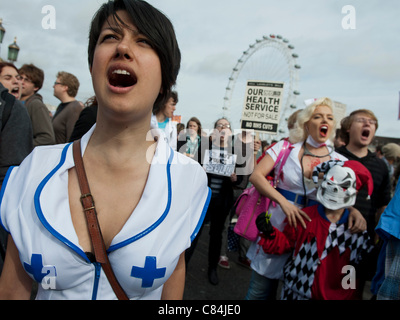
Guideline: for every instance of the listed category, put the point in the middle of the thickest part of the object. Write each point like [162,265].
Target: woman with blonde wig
[311,145]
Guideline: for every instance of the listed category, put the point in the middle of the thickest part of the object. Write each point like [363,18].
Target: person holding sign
[219,162]
[311,145]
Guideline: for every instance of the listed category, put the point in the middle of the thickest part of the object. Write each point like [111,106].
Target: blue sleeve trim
[40,212]
[159,221]
[3,189]
[202,217]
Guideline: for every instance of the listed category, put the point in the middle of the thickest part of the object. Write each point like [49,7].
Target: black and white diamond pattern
[341,237]
[299,272]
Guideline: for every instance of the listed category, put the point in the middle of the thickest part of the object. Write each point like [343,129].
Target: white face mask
[338,190]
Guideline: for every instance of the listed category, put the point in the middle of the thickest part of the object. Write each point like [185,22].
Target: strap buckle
[87,205]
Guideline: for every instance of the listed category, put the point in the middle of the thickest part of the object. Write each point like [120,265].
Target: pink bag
[251,203]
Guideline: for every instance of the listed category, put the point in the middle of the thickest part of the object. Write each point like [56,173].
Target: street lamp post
[13,50]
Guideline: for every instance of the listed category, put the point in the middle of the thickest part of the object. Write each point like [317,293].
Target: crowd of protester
[232,163]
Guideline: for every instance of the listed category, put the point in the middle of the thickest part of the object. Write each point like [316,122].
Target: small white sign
[219,162]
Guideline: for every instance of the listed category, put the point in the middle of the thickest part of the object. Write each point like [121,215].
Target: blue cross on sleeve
[36,267]
[149,272]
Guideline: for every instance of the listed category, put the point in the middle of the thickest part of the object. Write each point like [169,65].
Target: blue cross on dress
[149,272]
[36,267]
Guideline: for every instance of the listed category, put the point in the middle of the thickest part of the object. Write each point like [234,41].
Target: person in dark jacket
[358,130]
[15,144]
[221,186]
[66,88]
[16,135]
[86,119]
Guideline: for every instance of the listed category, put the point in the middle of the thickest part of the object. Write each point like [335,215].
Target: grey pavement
[233,282]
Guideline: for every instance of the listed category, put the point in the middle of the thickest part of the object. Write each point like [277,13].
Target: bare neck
[334,215]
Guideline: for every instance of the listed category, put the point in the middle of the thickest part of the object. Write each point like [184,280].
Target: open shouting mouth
[15,92]
[365,134]
[121,77]
[323,130]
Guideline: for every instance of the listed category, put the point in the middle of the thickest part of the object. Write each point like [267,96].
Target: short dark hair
[160,104]
[35,74]
[4,64]
[151,23]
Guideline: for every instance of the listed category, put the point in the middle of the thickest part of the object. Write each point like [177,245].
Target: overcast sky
[359,67]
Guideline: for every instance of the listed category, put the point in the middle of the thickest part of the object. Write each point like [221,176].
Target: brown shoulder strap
[93,224]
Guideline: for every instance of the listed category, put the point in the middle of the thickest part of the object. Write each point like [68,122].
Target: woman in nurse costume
[150,200]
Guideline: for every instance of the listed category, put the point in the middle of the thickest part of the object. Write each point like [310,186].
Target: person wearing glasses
[221,186]
[67,114]
[358,130]
[32,79]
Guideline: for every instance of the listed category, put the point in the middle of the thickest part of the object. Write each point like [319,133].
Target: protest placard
[219,162]
[340,112]
[262,106]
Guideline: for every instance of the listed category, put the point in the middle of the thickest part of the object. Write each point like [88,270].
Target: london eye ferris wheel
[268,59]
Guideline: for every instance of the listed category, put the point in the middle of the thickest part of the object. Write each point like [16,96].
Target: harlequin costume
[323,248]
[35,211]
[320,252]
[291,186]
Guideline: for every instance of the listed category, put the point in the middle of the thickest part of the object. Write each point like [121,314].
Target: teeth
[119,71]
